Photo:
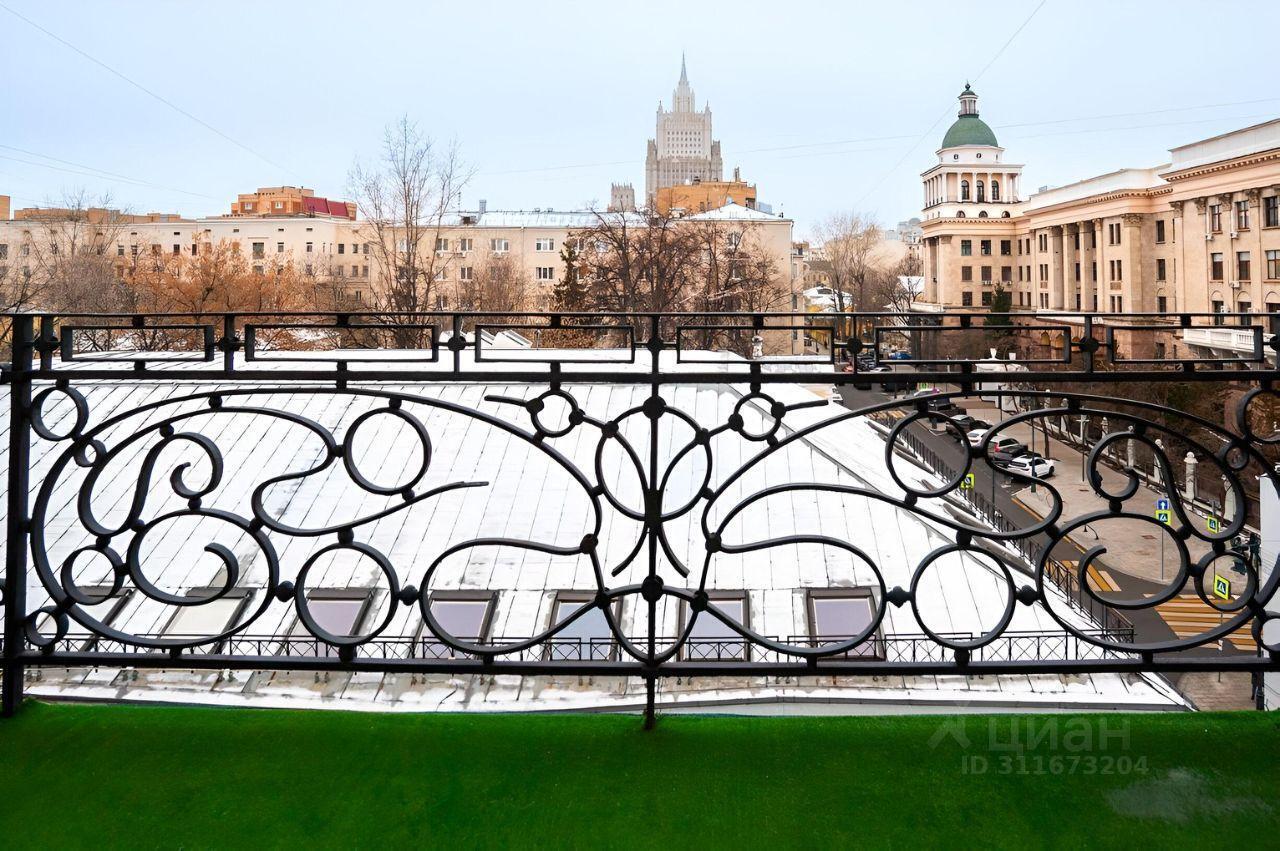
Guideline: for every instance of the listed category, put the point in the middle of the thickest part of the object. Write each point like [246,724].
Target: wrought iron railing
[204,369]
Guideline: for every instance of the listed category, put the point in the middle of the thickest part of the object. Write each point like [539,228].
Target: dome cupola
[968,128]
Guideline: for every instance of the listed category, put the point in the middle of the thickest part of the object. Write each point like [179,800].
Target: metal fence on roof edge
[56,360]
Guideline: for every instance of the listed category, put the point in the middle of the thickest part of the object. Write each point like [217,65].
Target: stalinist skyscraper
[682,149]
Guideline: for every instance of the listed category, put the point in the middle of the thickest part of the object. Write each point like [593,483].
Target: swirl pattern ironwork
[651,465]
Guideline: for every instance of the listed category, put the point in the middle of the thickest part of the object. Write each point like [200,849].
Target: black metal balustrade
[55,358]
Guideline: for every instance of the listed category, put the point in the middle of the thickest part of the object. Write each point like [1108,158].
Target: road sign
[1213,523]
[1221,587]
[1162,505]
[1165,516]
[967,484]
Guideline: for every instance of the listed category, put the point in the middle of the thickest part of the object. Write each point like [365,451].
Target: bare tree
[497,284]
[66,259]
[405,199]
[851,243]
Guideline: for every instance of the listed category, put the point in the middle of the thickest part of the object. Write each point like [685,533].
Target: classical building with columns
[1200,233]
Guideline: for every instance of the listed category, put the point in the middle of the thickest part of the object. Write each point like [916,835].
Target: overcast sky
[825,106]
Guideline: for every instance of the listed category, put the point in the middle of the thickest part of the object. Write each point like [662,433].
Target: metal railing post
[15,562]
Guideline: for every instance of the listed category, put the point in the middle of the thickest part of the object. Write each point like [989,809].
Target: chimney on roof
[483,206]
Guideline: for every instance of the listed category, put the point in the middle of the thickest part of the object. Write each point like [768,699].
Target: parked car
[965,424]
[1030,464]
[900,356]
[1008,445]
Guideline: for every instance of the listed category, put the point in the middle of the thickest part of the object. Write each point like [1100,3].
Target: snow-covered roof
[571,219]
[525,491]
[736,212]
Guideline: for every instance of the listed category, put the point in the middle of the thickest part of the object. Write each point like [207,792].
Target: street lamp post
[1083,419]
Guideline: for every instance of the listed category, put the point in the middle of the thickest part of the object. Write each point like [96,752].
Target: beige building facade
[1198,234]
[337,251]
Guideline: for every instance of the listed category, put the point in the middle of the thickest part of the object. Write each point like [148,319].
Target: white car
[1032,465]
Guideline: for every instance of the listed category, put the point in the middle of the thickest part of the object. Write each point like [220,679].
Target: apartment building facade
[338,252]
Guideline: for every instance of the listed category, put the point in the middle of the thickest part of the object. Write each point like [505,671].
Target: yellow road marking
[1187,615]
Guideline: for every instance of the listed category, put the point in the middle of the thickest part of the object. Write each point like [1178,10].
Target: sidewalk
[1133,546]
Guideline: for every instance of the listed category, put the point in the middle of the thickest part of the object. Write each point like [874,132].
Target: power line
[99,172]
[145,90]
[940,118]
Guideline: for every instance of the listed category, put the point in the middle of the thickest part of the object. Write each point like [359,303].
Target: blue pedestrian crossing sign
[1221,587]
[1213,523]
[1162,505]
[967,484]
[1164,516]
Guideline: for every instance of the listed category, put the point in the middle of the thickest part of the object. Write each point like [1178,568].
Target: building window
[1006,248]
[465,616]
[1117,304]
[966,248]
[995,190]
[964,190]
[279,248]
[1044,301]
[338,613]
[838,615]
[309,270]
[464,244]
[1077,273]
[1273,265]
[1162,304]
[259,250]
[982,195]
[586,639]
[1215,218]
[710,639]
[1006,274]
[1271,211]
[310,247]
[546,273]
[1215,266]
[966,273]
[1159,230]
[986,274]
[1242,215]
[465,273]
[1113,234]
[544,244]
[442,244]
[1242,265]
[1218,308]
[209,618]
[342,247]
[1160,269]
[985,247]
[257,269]
[986,299]
[1043,241]
[966,299]
[1244,308]
[499,246]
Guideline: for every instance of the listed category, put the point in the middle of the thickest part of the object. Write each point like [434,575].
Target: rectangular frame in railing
[225,360]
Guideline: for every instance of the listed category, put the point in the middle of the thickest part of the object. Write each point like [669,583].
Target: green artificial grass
[138,776]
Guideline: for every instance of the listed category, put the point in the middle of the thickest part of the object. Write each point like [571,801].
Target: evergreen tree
[570,294]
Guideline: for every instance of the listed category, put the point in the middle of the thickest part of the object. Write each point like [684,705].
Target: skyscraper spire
[682,97]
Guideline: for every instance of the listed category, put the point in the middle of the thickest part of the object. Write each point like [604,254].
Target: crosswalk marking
[1187,615]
